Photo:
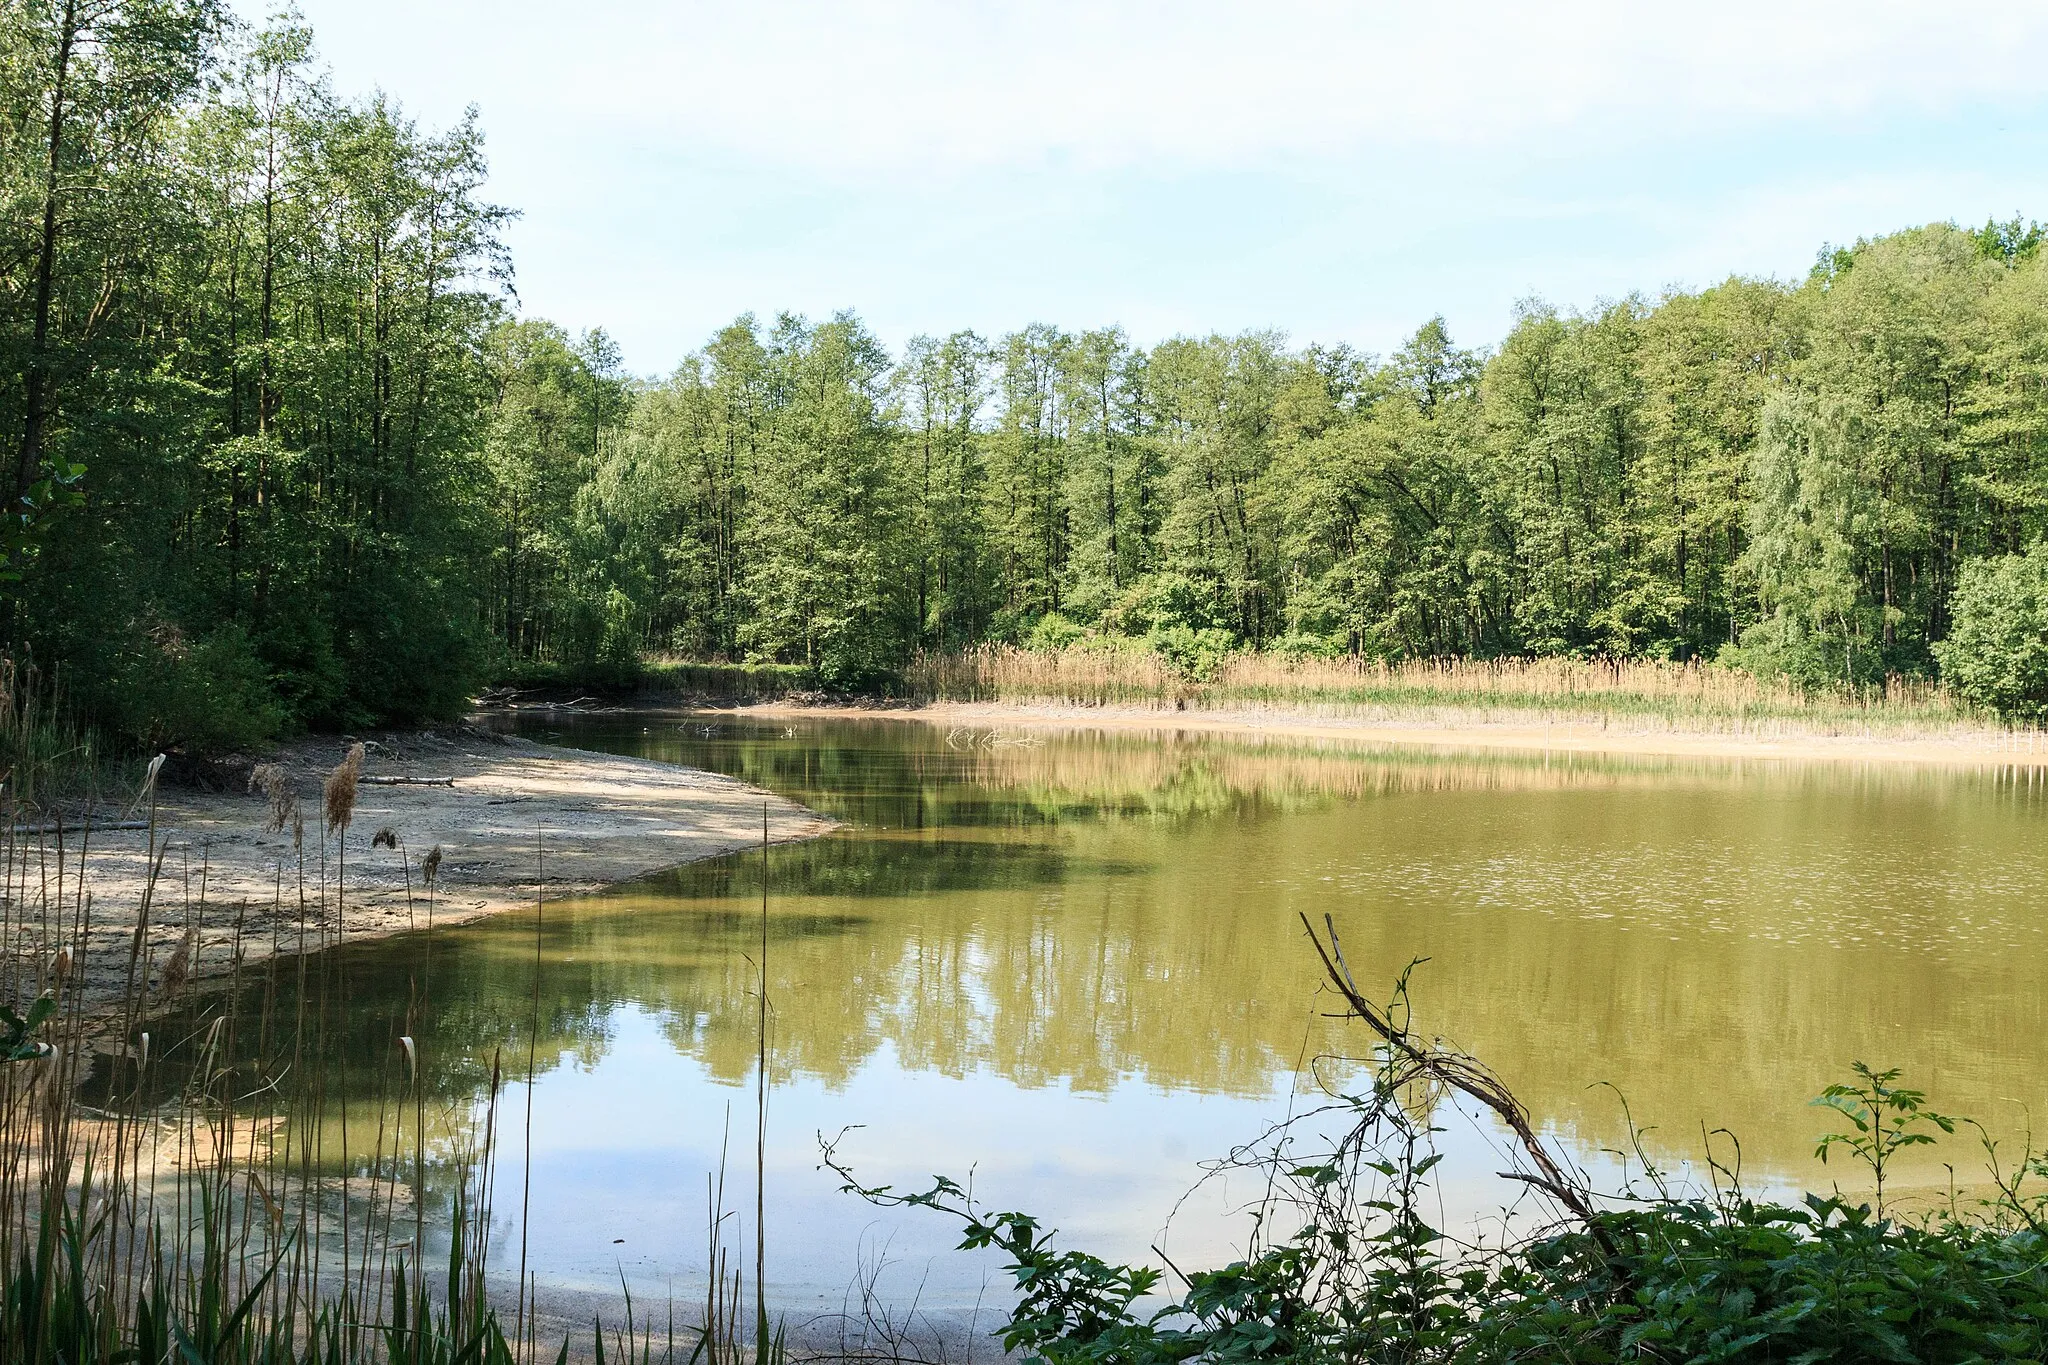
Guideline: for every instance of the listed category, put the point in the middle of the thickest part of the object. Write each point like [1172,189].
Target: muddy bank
[514,821]
[1987,749]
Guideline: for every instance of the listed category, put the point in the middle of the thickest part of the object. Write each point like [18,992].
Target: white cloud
[1340,170]
[923,88]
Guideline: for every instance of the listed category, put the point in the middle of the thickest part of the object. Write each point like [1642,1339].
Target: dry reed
[338,793]
[238,1177]
[1640,694]
[275,783]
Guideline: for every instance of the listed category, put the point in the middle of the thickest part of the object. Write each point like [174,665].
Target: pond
[1071,964]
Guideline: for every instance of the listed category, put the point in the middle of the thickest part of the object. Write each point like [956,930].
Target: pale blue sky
[1336,171]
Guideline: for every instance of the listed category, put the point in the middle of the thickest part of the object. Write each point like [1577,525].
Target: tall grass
[45,753]
[178,1177]
[1642,694]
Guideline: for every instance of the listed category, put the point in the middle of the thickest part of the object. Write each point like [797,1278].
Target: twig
[1461,1073]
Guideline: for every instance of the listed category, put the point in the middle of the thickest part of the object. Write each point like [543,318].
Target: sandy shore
[519,820]
[1973,749]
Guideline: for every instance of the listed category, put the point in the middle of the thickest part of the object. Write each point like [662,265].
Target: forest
[285,452]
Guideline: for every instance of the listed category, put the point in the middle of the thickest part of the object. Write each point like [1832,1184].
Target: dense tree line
[1787,475]
[283,453]
[243,331]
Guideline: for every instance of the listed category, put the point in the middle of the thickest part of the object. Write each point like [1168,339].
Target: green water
[1073,964]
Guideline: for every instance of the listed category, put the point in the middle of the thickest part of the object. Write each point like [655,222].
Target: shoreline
[1468,734]
[520,820]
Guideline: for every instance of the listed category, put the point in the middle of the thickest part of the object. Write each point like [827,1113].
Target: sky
[1338,172]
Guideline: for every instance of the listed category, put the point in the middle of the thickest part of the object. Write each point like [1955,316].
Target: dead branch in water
[1431,1061]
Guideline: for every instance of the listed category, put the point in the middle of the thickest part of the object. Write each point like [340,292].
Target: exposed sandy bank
[1978,749]
[521,820]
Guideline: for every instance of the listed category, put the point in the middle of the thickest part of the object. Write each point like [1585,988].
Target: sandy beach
[514,821]
[1472,731]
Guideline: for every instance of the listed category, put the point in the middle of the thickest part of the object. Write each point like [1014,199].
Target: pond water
[1072,965]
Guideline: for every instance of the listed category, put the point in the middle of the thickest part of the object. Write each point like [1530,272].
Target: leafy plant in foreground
[18,1041]
[1886,1118]
[1656,1276]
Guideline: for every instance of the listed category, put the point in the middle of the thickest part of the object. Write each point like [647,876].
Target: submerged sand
[520,822]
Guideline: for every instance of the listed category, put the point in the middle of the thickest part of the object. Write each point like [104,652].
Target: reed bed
[204,1180]
[44,753]
[1647,695]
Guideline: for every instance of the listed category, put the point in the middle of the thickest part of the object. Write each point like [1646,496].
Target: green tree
[943,387]
[823,580]
[1997,654]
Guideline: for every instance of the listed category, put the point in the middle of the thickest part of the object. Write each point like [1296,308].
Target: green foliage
[211,695]
[1054,632]
[2012,241]
[1884,1119]
[1663,1276]
[1196,655]
[1791,477]
[264,394]
[242,325]
[18,1041]
[1996,655]
[823,586]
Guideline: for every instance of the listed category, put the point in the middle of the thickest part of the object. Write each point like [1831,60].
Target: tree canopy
[284,453]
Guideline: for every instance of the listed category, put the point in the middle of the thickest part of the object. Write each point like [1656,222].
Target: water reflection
[1077,961]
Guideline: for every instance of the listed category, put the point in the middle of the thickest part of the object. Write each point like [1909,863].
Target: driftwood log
[81,827]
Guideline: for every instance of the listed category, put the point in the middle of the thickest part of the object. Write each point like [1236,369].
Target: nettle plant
[1344,1265]
[1885,1119]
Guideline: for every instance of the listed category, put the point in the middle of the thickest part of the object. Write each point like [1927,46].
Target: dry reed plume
[241,1184]
[272,780]
[338,793]
[178,967]
[184,1190]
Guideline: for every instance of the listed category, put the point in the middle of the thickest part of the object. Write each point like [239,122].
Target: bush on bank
[1996,655]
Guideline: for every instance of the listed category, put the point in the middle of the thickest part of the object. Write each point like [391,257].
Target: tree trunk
[39,386]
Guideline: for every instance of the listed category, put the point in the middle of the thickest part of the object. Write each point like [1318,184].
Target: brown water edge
[1454,729]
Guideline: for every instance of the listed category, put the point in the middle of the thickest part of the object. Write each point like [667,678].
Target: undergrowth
[1347,1266]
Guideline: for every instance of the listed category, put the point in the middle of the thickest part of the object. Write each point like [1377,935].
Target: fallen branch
[1459,1072]
[81,826]
[405,781]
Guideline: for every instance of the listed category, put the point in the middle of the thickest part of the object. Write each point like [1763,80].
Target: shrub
[1053,632]
[1304,644]
[1196,654]
[207,694]
[1996,654]
[1344,1266]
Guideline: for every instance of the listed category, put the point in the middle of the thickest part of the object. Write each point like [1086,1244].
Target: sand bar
[1766,739]
[521,821]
